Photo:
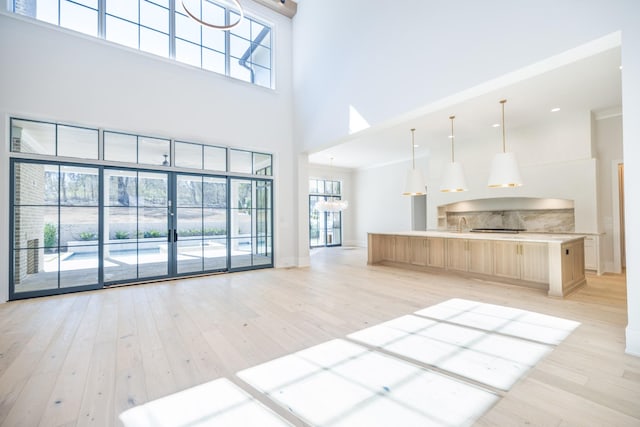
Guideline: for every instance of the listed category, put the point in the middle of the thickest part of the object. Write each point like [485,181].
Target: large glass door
[77,227]
[137,221]
[201,224]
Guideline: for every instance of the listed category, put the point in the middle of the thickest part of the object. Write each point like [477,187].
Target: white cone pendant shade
[505,172]
[414,185]
[453,176]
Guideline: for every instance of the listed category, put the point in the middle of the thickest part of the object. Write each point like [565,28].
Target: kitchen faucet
[460,221]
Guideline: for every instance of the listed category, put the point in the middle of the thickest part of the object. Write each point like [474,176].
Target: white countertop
[521,237]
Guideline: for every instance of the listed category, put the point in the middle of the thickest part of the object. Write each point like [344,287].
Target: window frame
[233,66]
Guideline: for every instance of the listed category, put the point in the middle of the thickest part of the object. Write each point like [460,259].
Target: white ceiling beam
[287,8]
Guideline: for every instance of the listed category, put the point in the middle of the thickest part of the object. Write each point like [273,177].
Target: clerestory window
[162,27]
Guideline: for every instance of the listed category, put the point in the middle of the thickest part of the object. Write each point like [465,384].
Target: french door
[79,227]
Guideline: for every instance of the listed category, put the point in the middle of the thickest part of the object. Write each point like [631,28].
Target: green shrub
[121,234]
[88,235]
[152,233]
[50,235]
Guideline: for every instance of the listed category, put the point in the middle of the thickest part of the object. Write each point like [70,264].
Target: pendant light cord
[413,150]
[504,137]
[452,139]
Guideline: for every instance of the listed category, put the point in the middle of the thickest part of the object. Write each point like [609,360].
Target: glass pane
[262,76]
[213,14]
[261,164]
[154,42]
[120,262]
[34,270]
[78,186]
[243,29]
[188,155]
[213,39]
[188,53]
[122,32]
[120,147]
[320,187]
[153,151]
[239,72]
[190,256]
[36,184]
[152,224]
[256,29]
[261,56]
[313,186]
[240,161]
[44,11]
[79,18]
[80,267]
[35,227]
[262,254]
[213,61]
[33,137]
[187,28]
[215,192]
[152,189]
[78,227]
[153,259]
[189,191]
[215,254]
[238,46]
[215,158]
[154,16]
[120,225]
[127,9]
[215,223]
[120,188]
[189,223]
[77,142]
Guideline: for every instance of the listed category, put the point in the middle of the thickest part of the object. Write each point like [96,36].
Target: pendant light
[415,181]
[504,168]
[453,176]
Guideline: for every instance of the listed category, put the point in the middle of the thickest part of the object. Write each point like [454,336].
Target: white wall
[53,74]
[393,57]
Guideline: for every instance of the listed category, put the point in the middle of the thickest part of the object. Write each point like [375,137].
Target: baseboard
[633,342]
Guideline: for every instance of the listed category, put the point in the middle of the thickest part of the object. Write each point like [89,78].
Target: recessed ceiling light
[555,110]
[416,145]
[621,67]
[495,125]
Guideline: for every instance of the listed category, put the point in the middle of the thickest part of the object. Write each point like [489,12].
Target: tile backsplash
[534,220]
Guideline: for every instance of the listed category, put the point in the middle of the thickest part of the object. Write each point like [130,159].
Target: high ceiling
[592,83]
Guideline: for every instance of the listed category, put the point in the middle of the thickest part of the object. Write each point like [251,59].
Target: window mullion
[172,29]
[102,19]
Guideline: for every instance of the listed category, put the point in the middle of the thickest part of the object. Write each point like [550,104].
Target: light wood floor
[82,359]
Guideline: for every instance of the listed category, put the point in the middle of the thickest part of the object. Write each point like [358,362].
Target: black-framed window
[53,139]
[163,28]
[325,228]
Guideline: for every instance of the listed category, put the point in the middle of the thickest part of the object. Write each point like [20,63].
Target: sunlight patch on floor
[339,383]
[218,403]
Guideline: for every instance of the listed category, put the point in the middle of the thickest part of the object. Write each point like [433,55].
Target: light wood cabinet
[556,264]
[403,250]
[418,250]
[480,256]
[435,252]
[522,261]
[572,263]
[457,256]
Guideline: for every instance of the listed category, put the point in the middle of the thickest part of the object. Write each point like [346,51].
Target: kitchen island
[554,262]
